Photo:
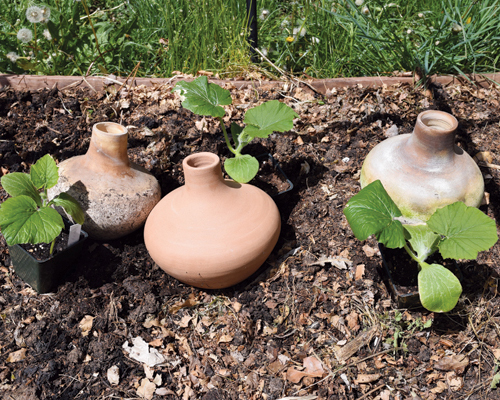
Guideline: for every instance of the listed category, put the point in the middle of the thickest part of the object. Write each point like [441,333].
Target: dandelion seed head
[359,2]
[301,31]
[34,14]
[264,14]
[25,35]
[12,56]
[47,34]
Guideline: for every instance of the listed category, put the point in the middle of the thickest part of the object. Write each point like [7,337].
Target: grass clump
[323,38]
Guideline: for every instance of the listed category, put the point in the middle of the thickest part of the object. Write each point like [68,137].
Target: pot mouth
[201,161]
[439,120]
[111,128]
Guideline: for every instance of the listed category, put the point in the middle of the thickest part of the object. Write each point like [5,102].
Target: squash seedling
[28,216]
[457,231]
[203,98]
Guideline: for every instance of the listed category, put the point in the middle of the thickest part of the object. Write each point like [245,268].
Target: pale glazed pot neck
[433,139]
[202,173]
[108,148]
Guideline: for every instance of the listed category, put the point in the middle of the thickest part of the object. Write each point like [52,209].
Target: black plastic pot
[401,272]
[44,276]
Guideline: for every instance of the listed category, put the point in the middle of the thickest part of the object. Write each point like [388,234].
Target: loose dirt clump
[315,322]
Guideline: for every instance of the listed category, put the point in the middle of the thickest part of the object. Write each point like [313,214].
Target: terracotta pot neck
[434,136]
[108,147]
[202,172]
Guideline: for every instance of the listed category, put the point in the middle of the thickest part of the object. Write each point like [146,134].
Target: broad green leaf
[20,184]
[44,173]
[438,288]
[71,206]
[235,133]
[467,231]
[495,381]
[423,241]
[21,222]
[269,117]
[242,168]
[372,212]
[204,98]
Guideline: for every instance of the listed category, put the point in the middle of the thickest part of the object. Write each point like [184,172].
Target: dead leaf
[440,387]
[86,324]
[190,302]
[455,363]
[141,352]
[337,261]
[16,356]
[360,271]
[147,389]
[113,375]
[225,339]
[496,353]
[455,382]
[344,353]
[369,251]
[366,378]
[312,368]
[184,322]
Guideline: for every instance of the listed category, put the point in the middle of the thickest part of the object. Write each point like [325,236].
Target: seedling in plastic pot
[28,216]
[203,98]
[457,231]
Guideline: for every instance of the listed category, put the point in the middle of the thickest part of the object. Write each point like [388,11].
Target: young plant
[28,216]
[457,231]
[203,98]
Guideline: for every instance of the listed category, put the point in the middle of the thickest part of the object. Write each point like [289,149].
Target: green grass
[320,38]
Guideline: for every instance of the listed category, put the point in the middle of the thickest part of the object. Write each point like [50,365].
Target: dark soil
[316,321]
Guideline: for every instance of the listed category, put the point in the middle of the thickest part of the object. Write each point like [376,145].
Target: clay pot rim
[201,161]
[438,121]
[100,126]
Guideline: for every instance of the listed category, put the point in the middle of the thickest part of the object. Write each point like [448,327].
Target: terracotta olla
[425,170]
[212,233]
[116,194]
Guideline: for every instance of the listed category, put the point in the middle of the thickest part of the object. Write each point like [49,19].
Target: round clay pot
[116,194]
[212,233]
[425,170]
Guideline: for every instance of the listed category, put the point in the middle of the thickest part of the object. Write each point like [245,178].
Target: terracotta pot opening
[202,160]
[111,127]
[439,121]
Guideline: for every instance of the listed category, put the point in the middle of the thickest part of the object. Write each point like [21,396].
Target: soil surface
[315,322]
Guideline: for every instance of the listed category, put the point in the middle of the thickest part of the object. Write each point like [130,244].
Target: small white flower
[409,32]
[301,31]
[359,2]
[264,14]
[34,14]
[437,42]
[315,40]
[456,28]
[25,35]
[420,15]
[285,23]
[365,10]
[47,34]
[345,160]
[12,56]
[264,51]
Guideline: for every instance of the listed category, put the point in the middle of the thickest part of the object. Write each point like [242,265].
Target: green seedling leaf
[235,133]
[44,173]
[423,240]
[372,212]
[495,381]
[242,168]
[466,231]
[204,98]
[71,206]
[438,288]
[269,117]
[22,222]
[20,184]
